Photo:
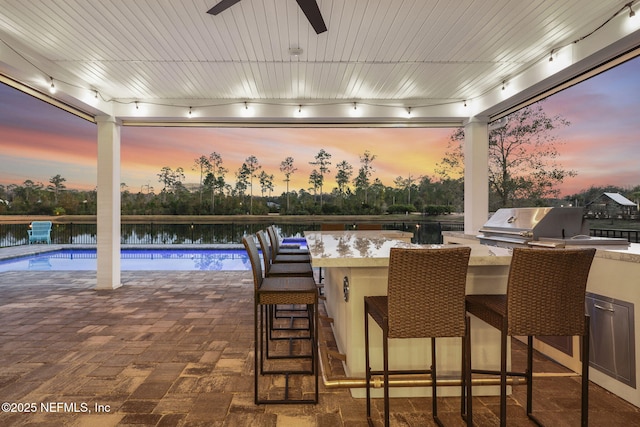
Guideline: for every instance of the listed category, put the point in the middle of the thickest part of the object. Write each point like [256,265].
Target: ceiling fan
[309,7]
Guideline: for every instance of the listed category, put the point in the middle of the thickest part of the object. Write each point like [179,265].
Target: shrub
[400,209]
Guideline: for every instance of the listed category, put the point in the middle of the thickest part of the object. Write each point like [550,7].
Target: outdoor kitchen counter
[355,264]
[371,248]
[630,254]
[615,277]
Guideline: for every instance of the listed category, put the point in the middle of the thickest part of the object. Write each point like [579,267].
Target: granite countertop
[625,253]
[371,249]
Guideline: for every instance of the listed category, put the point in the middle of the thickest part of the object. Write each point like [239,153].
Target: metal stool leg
[385,367]
[434,387]
[503,375]
[584,415]
[367,363]
[261,336]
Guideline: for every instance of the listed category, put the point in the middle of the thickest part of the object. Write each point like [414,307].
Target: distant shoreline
[229,219]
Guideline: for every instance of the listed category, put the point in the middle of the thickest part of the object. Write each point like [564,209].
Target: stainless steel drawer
[612,339]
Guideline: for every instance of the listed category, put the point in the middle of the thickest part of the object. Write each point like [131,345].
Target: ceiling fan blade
[222,6]
[312,12]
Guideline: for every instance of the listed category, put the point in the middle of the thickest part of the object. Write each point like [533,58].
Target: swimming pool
[134,259]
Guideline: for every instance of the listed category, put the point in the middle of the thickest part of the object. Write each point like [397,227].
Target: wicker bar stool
[288,255]
[545,296]
[291,248]
[293,313]
[271,291]
[283,268]
[279,255]
[425,299]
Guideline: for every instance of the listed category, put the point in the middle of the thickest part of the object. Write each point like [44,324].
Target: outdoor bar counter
[613,291]
[354,264]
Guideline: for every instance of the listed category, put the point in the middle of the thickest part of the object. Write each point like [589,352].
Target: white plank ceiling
[390,50]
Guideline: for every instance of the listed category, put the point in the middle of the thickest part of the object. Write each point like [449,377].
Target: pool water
[134,259]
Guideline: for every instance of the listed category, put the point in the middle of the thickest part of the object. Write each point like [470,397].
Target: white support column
[108,274]
[476,174]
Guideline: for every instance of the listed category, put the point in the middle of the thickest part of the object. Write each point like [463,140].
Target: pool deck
[176,349]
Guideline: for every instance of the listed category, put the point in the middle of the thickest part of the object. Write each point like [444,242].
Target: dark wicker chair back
[266,251]
[275,241]
[426,292]
[252,250]
[546,291]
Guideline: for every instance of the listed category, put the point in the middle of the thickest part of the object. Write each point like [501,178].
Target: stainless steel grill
[547,226]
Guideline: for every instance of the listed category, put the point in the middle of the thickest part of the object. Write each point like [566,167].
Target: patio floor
[176,349]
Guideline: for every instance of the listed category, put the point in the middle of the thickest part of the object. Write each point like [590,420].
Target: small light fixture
[551,55]
[137,106]
[355,111]
[503,83]
[247,111]
[295,51]
[52,88]
[95,95]
[465,102]
[299,109]
[190,112]
[631,12]
[408,112]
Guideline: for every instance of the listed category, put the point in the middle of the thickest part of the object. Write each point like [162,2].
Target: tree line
[251,192]
[523,171]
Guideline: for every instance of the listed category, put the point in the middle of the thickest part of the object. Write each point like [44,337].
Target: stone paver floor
[176,349]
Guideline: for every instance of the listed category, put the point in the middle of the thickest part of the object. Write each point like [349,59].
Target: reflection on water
[40,264]
[152,234]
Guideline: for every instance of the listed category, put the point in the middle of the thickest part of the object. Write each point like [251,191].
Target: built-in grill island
[612,335]
[545,226]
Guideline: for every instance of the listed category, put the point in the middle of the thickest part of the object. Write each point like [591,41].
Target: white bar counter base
[355,265]
[615,273]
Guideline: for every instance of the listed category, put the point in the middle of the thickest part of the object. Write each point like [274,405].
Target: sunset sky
[39,141]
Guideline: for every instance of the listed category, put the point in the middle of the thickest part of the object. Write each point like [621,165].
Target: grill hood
[522,225]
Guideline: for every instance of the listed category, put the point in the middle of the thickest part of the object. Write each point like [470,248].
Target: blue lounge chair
[40,231]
